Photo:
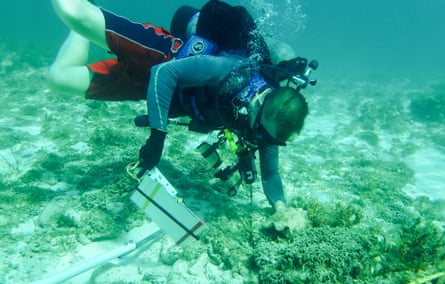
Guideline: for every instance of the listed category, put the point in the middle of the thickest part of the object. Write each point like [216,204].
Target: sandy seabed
[367,170]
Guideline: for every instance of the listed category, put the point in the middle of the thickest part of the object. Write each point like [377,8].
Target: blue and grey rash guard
[194,71]
[270,176]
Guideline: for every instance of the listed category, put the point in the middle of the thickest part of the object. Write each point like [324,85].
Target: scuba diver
[227,49]
[233,88]
[229,93]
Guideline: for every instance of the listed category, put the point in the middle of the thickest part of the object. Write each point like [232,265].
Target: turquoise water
[367,169]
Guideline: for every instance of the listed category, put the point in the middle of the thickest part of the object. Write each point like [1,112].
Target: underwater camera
[246,168]
[301,81]
[210,153]
[245,164]
[297,71]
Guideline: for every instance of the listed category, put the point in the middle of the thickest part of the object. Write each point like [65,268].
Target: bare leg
[68,71]
[84,18]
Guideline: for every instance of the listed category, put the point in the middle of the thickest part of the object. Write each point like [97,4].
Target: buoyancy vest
[197,45]
[212,109]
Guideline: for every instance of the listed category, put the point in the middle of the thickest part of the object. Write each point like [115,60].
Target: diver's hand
[150,153]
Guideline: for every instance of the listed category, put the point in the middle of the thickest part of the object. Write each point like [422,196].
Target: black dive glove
[150,153]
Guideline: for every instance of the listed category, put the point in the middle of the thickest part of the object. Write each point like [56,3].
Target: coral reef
[64,187]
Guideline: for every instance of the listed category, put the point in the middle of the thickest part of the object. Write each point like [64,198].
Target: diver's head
[283,113]
[184,22]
